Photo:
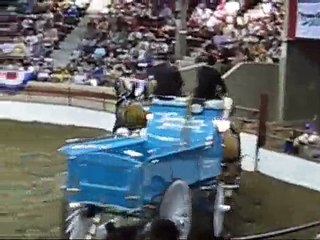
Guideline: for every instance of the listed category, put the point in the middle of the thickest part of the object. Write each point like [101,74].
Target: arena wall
[56,114]
[301,80]
[246,82]
[280,166]
[290,169]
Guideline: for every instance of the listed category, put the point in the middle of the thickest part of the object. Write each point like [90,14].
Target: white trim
[56,114]
[287,168]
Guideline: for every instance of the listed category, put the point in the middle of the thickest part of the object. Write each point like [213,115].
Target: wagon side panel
[160,173]
[104,180]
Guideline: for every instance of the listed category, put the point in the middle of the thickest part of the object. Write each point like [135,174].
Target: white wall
[280,166]
[290,169]
[248,151]
[56,114]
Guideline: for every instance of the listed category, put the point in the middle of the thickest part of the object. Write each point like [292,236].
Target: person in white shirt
[266,7]
[202,13]
[79,77]
[166,12]
[232,7]
[212,21]
[308,139]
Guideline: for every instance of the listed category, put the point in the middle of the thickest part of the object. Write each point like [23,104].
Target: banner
[308,19]
[12,80]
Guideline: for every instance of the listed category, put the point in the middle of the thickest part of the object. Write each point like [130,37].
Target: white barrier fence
[284,167]
[288,168]
[56,114]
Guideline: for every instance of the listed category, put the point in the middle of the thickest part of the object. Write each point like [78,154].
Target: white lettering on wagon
[90,146]
[176,122]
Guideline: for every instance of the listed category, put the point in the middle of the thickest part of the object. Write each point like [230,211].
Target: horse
[130,113]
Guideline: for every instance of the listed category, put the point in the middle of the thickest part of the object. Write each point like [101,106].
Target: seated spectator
[219,39]
[58,17]
[50,33]
[166,12]
[79,77]
[201,14]
[291,145]
[231,7]
[306,139]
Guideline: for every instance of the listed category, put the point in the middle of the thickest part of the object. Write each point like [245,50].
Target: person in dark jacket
[168,77]
[210,83]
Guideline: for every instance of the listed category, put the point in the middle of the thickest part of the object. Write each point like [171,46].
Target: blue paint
[129,172]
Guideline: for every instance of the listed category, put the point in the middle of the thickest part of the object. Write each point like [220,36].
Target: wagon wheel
[219,211]
[75,224]
[208,213]
[176,205]
[80,222]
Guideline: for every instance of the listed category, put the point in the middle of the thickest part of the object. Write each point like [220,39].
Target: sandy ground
[30,196]
[265,204]
[30,177]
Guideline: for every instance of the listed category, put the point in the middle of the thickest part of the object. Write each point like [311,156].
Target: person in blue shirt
[72,11]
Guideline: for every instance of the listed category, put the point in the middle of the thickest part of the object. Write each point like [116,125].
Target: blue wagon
[182,149]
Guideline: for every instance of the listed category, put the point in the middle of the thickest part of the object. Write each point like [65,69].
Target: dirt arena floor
[30,197]
[30,179]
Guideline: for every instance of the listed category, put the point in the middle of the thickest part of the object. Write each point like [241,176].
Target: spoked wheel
[219,211]
[81,223]
[208,213]
[176,206]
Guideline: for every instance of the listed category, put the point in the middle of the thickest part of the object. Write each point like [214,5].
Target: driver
[210,84]
[168,78]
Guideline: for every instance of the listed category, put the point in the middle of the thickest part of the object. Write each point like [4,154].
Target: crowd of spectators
[124,36]
[121,41]
[237,33]
[128,37]
[29,39]
[305,142]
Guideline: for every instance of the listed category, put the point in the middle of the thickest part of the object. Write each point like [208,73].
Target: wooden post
[262,129]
